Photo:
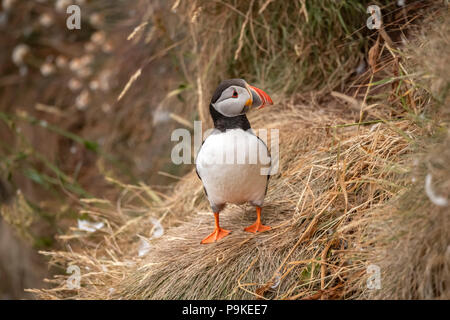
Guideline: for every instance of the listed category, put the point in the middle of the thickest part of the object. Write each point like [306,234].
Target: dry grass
[330,180]
[325,186]
[412,238]
[412,244]
[287,47]
[344,166]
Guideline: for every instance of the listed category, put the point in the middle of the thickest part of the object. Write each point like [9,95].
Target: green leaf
[91,145]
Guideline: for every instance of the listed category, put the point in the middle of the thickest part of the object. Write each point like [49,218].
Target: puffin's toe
[257,227]
[217,234]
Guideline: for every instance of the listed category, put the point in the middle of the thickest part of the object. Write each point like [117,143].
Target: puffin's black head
[234,97]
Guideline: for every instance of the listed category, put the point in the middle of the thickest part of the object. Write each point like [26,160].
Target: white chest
[233,166]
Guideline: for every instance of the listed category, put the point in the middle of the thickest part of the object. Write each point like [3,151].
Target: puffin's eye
[235,94]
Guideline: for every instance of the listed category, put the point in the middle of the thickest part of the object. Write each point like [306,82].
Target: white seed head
[94,85]
[86,59]
[61,62]
[61,5]
[106,107]
[96,19]
[75,64]
[75,84]
[47,69]
[19,53]
[46,20]
[98,38]
[82,100]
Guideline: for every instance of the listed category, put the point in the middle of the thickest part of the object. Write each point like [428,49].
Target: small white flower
[61,5]
[79,65]
[75,64]
[61,62]
[96,19]
[106,107]
[75,84]
[94,85]
[82,100]
[86,59]
[19,53]
[98,38]
[46,20]
[47,69]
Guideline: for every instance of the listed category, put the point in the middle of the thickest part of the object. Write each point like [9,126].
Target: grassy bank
[363,119]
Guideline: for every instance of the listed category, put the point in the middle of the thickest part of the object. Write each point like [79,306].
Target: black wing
[196,171]
[270,156]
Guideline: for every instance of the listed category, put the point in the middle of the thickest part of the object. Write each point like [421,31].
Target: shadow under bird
[246,176]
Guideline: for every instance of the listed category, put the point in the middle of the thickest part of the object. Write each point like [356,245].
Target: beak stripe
[265,98]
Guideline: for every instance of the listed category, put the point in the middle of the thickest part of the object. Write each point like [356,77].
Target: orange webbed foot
[257,226]
[218,234]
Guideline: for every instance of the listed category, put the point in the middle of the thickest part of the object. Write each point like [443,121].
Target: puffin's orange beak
[260,98]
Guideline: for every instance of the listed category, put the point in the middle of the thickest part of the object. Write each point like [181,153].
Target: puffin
[233,163]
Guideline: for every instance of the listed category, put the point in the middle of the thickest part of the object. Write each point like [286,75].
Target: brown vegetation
[363,121]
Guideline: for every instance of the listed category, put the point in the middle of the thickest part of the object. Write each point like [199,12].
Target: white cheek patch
[229,106]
